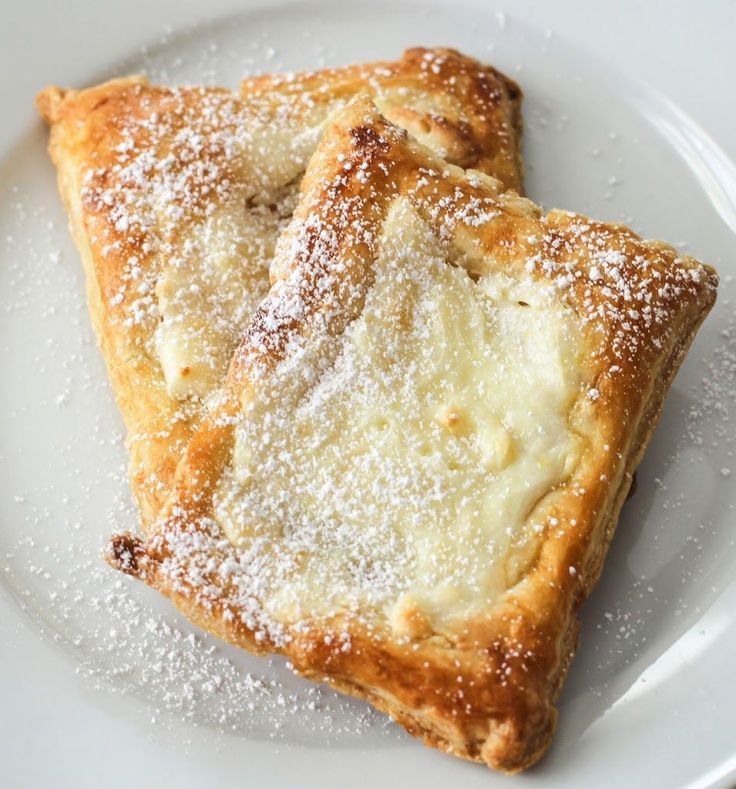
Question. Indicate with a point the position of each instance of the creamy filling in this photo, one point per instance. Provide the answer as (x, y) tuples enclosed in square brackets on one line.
[(210, 286), (400, 468), (207, 295)]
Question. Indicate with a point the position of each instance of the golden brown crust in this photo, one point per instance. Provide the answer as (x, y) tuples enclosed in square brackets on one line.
[(85, 129), (486, 690), (468, 110)]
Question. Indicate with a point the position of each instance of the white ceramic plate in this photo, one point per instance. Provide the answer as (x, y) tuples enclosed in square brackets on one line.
[(100, 680)]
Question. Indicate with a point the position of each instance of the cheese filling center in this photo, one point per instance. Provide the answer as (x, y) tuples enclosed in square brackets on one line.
[(401, 467), (212, 282)]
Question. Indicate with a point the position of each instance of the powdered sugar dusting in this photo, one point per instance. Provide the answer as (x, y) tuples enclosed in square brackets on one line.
[(446, 463), (51, 355), (629, 297)]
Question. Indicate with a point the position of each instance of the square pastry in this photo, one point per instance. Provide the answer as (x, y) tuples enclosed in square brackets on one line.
[(410, 479)]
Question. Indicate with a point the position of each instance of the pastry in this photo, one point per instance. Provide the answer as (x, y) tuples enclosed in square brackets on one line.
[(176, 197), (410, 479)]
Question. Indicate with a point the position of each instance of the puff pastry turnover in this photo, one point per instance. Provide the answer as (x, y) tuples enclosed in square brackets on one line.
[(176, 197), (410, 480)]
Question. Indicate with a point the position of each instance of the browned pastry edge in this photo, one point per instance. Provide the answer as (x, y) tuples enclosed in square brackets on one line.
[(486, 138), (83, 125)]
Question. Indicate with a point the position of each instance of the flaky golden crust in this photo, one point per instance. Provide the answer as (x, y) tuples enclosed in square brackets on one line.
[(83, 135), (468, 111), (484, 690)]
